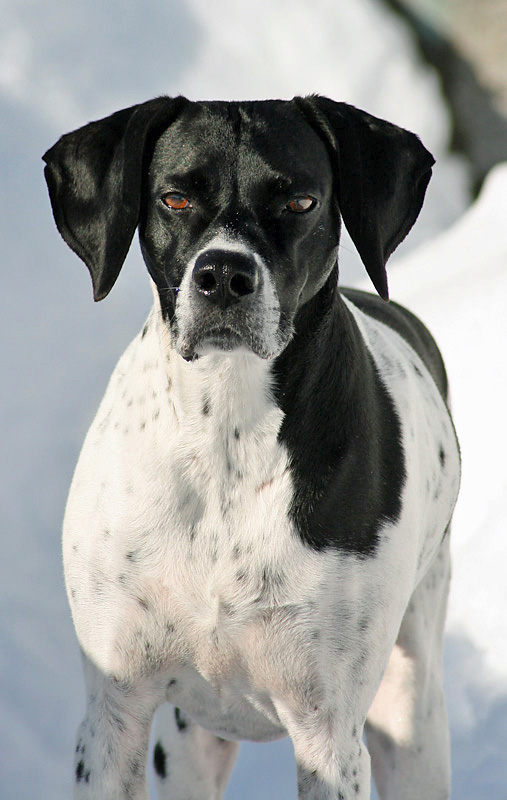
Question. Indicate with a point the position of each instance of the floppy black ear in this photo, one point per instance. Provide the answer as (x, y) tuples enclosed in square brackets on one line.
[(94, 179), (381, 174)]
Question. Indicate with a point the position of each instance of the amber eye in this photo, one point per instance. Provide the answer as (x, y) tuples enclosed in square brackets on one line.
[(176, 201), (300, 205)]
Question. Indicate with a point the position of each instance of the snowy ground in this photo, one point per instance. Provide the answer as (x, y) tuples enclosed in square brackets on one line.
[(64, 63)]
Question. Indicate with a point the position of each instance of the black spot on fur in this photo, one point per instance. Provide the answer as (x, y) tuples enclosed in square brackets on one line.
[(206, 407), (236, 433), (160, 761), (143, 603), (145, 331), (181, 722), (441, 456), (82, 774)]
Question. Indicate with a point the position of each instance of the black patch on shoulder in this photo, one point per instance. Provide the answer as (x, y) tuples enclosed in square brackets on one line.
[(160, 760), (341, 431)]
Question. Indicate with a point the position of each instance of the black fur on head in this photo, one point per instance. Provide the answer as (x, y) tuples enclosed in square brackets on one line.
[(95, 177), (381, 175)]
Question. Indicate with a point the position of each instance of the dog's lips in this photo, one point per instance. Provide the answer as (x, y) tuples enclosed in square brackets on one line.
[(222, 338)]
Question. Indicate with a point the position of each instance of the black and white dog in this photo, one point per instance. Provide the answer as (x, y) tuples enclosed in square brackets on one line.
[(257, 530)]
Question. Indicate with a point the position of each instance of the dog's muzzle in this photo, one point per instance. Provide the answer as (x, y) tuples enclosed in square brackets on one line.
[(225, 278), (227, 301)]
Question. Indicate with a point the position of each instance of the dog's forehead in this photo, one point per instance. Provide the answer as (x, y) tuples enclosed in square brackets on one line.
[(260, 137)]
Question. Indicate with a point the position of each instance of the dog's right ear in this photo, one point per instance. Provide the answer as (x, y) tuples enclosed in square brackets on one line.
[(94, 177)]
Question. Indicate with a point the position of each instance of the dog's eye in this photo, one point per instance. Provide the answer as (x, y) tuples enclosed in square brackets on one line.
[(300, 205), (176, 201)]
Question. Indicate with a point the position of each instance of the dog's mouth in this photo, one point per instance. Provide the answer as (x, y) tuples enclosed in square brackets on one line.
[(223, 338), (201, 340)]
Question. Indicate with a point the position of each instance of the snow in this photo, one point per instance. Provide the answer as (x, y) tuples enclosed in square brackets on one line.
[(62, 64)]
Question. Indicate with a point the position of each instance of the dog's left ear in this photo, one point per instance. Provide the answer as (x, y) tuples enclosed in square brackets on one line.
[(94, 177), (381, 175)]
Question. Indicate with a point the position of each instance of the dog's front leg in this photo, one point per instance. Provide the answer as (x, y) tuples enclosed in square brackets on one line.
[(332, 761), (112, 742), (189, 761)]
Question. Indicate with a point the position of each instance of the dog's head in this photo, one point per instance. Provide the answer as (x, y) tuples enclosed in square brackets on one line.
[(238, 207)]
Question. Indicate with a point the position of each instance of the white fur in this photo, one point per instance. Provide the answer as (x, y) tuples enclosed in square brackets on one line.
[(188, 583)]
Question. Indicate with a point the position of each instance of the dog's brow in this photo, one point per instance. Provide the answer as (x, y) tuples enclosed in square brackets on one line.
[(290, 183), (189, 180)]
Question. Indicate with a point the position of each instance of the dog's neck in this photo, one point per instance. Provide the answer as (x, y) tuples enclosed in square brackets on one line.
[(235, 388)]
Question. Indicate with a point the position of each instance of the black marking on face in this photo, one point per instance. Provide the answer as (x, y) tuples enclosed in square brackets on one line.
[(160, 760)]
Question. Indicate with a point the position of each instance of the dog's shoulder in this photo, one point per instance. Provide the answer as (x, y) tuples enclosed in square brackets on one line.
[(408, 326)]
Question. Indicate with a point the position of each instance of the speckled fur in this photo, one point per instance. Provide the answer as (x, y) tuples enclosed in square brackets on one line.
[(188, 585)]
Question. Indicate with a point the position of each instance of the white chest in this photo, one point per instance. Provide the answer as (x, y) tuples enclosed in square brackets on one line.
[(183, 490)]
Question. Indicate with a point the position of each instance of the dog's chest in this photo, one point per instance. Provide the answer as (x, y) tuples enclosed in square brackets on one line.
[(191, 551)]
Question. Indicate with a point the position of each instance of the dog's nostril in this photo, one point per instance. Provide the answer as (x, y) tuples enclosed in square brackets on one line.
[(241, 285), (206, 281)]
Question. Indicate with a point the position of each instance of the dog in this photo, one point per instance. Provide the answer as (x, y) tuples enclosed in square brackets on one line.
[(257, 532)]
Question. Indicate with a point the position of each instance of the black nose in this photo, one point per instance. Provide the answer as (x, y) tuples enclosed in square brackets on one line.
[(225, 277)]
